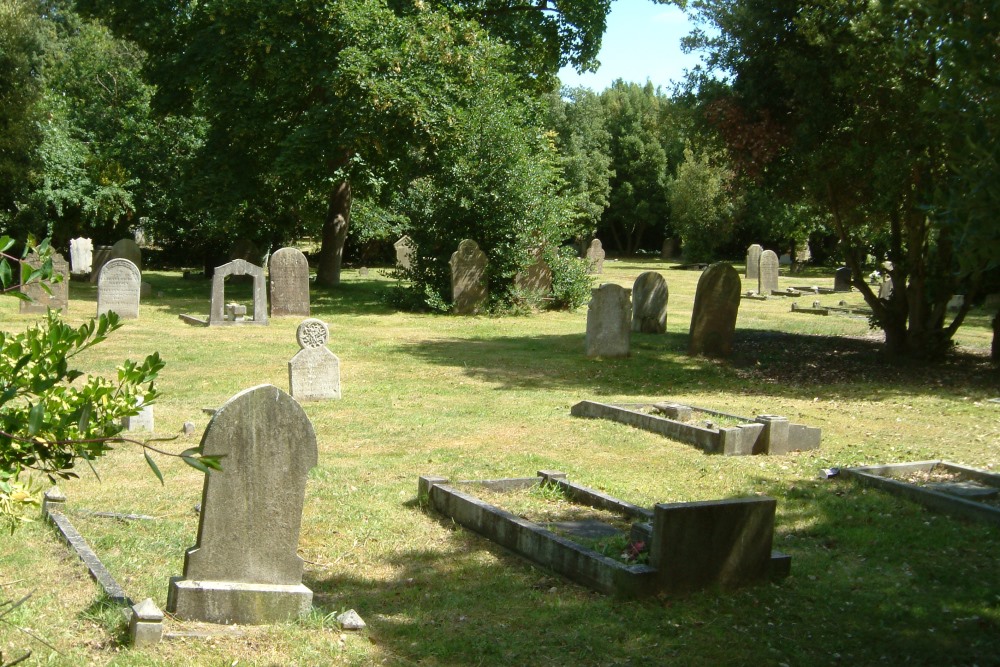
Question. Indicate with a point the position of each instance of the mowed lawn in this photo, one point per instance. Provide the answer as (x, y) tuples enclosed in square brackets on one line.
[(875, 580)]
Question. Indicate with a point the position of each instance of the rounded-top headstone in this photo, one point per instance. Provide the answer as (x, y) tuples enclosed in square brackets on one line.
[(118, 288), (312, 333), (127, 249), (649, 303), (716, 304), (289, 272)]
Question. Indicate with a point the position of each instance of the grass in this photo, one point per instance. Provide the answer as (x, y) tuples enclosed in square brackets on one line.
[(875, 579)]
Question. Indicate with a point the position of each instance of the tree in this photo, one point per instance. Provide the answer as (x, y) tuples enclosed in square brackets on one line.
[(702, 204), (843, 103)]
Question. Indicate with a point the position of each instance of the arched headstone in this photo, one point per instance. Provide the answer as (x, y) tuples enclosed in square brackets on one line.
[(289, 272), (649, 303), (608, 321), (404, 252), (595, 256), (127, 249), (716, 304), (753, 261), (238, 267), (468, 278), (118, 289), (314, 371), (767, 279)]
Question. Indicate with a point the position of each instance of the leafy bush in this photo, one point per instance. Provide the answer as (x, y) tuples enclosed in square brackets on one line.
[(571, 280)]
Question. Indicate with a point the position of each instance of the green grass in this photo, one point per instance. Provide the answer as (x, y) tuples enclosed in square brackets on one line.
[(875, 580)]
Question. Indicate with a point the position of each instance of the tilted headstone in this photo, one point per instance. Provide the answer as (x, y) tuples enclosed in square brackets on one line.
[(118, 289), (42, 299), (468, 278), (767, 278), (716, 304), (404, 252), (244, 567), (102, 254), (753, 261), (609, 317), (289, 272), (314, 371), (81, 255), (842, 280), (537, 277), (238, 267), (127, 249), (649, 303), (595, 256)]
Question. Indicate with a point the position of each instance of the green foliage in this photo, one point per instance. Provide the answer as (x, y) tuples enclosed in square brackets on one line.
[(571, 279), (25, 273), (702, 204)]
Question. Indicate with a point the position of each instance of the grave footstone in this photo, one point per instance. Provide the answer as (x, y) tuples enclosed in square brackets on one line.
[(608, 321), (244, 567), (237, 267), (314, 371), (81, 256), (289, 272), (649, 303), (404, 252), (842, 280), (118, 289), (716, 304), (595, 256), (537, 277), (56, 296), (468, 278), (767, 278), (753, 261)]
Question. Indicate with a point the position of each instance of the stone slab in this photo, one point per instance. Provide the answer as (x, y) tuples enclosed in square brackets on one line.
[(228, 602)]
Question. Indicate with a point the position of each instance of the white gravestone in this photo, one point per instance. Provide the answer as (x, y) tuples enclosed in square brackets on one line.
[(81, 255)]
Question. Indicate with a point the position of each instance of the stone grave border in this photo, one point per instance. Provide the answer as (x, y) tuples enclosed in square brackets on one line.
[(764, 434), (881, 477), (555, 552)]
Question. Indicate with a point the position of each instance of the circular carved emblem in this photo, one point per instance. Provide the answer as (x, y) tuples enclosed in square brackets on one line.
[(312, 333)]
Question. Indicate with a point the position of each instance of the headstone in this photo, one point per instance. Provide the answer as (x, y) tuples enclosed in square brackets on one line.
[(885, 289), (289, 272), (102, 254), (314, 371), (81, 256), (244, 567), (146, 291), (785, 260), (404, 252), (363, 272), (767, 278), (668, 249), (237, 267), (118, 289), (42, 299), (716, 304), (127, 249), (595, 256), (842, 280), (955, 303), (649, 303), (468, 278), (753, 261), (246, 250), (537, 277), (140, 422), (803, 254), (609, 318)]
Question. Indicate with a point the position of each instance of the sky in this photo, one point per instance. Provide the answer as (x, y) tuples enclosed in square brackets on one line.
[(642, 41)]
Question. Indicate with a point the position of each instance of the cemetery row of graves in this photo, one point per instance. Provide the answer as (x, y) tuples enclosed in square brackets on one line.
[(352, 436)]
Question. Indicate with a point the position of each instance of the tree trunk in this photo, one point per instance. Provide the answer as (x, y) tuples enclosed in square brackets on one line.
[(995, 347), (338, 219)]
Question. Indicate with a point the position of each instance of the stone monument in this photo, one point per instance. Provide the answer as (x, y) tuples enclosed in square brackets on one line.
[(404, 252), (118, 289), (244, 567), (56, 296), (101, 255), (289, 272), (753, 261), (609, 315), (842, 280), (767, 278), (468, 278), (127, 249), (314, 371), (237, 267), (649, 303), (716, 304), (81, 256), (595, 256)]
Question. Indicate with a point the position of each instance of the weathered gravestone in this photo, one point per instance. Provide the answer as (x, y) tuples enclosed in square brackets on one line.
[(102, 254), (668, 249), (314, 371), (244, 567), (753, 261), (81, 256), (842, 280), (767, 278), (237, 267), (595, 256), (537, 277), (118, 289), (885, 289), (404, 252), (468, 278), (289, 272), (608, 321), (246, 250), (716, 304), (45, 294), (649, 303), (127, 249)]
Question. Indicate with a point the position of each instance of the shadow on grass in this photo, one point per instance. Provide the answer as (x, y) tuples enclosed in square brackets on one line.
[(875, 580)]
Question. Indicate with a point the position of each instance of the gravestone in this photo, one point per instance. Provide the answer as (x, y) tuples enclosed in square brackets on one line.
[(237, 267), (81, 256), (127, 249), (102, 254), (314, 371), (885, 289), (716, 304), (842, 280), (595, 257), (404, 252), (537, 277), (289, 272), (785, 260), (767, 278), (609, 315), (753, 261), (246, 250), (468, 278), (118, 289), (668, 249), (649, 303), (57, 295), (244, 567)]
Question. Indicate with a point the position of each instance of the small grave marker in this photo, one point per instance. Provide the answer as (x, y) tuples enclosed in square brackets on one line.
[(314, 371)]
